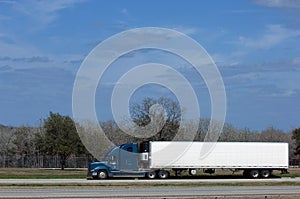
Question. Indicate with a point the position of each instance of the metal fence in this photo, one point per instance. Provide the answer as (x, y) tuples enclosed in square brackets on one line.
[(42, 162)]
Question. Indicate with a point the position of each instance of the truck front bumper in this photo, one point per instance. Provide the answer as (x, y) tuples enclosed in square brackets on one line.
[(91, 174)]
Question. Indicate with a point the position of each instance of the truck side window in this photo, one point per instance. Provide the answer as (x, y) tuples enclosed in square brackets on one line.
[(129, 149)]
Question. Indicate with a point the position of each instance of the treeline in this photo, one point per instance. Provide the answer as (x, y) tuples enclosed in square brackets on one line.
[(33, 147), (229, 134), (56, 143)]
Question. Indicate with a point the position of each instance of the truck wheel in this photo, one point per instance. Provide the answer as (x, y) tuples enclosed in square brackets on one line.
[(254, 173), (102, 174), (265, 173), (192, 172), (151, 174), (162, 174)]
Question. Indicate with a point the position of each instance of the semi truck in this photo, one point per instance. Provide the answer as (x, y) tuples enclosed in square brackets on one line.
[(156, 159)]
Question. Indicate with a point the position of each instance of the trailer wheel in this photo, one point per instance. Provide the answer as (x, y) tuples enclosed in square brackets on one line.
[(192, 172), (151, 174), (162, 174), (265, 173), (254, 173), (102, 174)]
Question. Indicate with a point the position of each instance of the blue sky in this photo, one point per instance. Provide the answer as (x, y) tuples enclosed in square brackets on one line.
[(255, 44)]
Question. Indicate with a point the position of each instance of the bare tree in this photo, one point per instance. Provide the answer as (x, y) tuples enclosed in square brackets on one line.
[(6, 135), (273, 135), (229, 133), (24, 146), (141, 116), (246, 135)]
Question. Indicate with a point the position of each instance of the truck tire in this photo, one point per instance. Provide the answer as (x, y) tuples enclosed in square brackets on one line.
[(151, 174), (192, 172), (265, 173), (254, 173), (102, 174), (163, 174)]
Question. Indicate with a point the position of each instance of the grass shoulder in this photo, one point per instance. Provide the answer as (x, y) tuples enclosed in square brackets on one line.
[(71, 173), (37, 173)]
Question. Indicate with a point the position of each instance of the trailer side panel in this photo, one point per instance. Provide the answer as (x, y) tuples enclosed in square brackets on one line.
[(239, 155)]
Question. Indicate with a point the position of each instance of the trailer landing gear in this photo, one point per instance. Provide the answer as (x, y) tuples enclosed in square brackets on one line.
[(210, 171)]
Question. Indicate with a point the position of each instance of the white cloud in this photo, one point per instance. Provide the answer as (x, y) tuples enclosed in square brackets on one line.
[(18, 48), (273, 35), (285, 93), (264, 82), (222, 59), (43, 11), (279, 3), (186, 30)]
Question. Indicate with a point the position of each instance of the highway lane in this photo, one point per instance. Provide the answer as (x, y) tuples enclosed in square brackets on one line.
[(152, 192), (130, 181), (137, 188)]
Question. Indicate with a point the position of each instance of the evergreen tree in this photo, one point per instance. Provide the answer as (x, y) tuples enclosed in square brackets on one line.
[(296, 138), (60, 138)]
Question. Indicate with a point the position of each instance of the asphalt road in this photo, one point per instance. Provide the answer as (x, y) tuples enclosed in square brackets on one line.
[(130, 188), (152, 192), (130, 181)]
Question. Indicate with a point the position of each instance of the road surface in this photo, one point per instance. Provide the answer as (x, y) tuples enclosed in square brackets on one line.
[(141, 188), (130, 181), (153, 192)]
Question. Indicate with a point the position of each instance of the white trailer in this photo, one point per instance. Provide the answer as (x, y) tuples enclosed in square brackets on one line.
[(256, 159), (157, 159)]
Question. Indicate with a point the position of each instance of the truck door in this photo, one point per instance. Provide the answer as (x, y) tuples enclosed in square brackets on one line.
[(128, 157)]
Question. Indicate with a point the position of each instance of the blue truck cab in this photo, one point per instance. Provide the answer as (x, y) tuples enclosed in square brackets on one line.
[(120, 161)]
